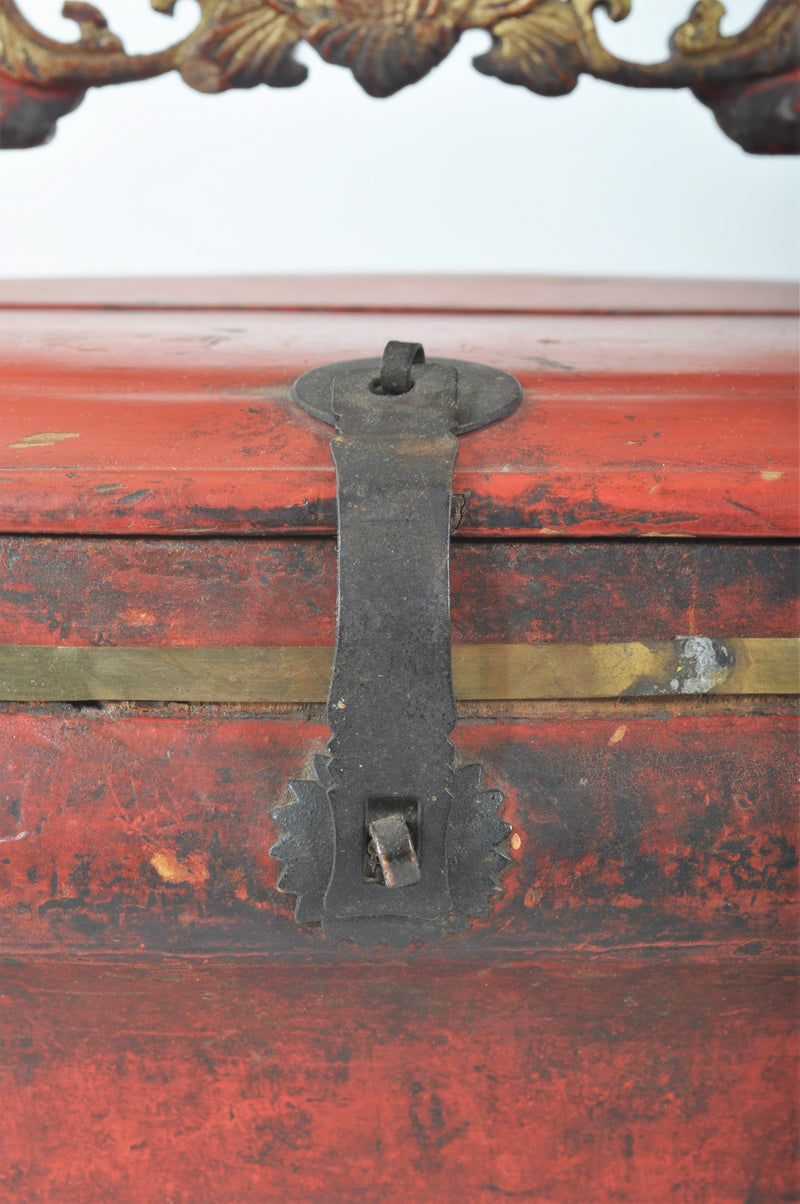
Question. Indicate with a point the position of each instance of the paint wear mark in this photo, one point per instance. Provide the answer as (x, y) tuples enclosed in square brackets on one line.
[(138, 618), (44, 439), (169, 869), (553, 365), (8, 839), (136, 496)]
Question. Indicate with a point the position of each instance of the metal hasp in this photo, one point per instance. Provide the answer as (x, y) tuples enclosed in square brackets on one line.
[(393, 842)]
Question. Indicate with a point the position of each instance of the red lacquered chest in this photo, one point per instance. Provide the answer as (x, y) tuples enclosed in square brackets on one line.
[(620, 1023)]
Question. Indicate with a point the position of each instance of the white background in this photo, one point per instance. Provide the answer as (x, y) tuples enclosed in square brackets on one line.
[(154, 178)]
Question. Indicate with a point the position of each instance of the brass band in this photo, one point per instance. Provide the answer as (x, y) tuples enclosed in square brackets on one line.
[(689, 665)]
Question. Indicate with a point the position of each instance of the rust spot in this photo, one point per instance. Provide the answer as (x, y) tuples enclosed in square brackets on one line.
[(170, 869)]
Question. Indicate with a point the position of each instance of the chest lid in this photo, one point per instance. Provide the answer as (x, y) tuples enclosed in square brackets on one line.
[(164, 408)]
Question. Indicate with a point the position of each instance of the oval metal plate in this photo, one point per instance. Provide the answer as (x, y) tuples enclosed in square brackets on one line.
[(484, 394)]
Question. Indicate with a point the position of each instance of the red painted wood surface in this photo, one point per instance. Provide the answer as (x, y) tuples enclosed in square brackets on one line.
[(636, 826), (228, 592), (182, 422), (570, 1080), (623, 1025), (484, 293)]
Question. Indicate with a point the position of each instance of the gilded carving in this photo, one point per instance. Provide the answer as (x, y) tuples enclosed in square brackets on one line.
[(748, 79)]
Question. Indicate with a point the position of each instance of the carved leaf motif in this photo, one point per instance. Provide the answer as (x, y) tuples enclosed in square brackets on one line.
[(617, 10), (541, 50), (244, 43), (387, 44), (95, 34), (759, 109), (748, 79), (24, 52), (768, 45), (485, 14), (701, 31)]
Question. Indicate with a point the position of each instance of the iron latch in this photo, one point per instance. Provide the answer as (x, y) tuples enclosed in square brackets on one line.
[(392, 840)]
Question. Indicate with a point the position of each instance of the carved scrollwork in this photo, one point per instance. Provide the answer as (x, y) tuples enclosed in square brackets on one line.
[(750, 80)]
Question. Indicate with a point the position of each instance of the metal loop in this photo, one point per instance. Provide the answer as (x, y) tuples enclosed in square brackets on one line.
[(398, 360)]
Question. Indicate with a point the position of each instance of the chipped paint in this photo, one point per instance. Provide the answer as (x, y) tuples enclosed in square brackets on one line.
[(768, 474), (169, 869), (618, 735), (44, 439), (9, 839), (516, 841)]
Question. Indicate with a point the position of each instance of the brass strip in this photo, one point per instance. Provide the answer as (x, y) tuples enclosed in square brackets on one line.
[(481, 672)]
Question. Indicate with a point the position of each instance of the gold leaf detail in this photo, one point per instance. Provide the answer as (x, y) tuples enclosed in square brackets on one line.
[(616, 9), (485, 14), (701, 32), (244, 43), (769, 45), (95, 34), (541, 50), (25, 53)]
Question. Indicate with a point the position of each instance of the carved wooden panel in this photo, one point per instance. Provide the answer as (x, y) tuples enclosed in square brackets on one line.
[(748, 79)]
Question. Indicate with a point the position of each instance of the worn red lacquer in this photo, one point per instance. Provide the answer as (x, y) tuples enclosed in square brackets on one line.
[(621, 1026), (228, 592), (652, 425), (567, 1080), (150, 831)]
